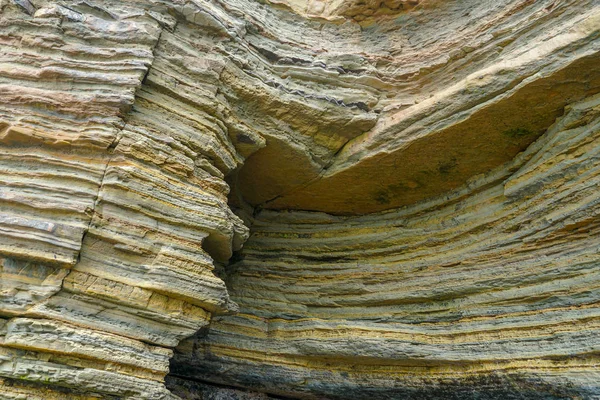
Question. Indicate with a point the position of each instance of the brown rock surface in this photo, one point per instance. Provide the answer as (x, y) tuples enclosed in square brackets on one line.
[(418, 179)]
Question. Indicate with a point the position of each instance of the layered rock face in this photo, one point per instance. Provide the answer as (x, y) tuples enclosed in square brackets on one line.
[(113, 199), (419, 181), (487, 292)]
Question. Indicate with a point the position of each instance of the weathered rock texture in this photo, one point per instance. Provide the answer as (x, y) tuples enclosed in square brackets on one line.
[(113, 199), (492, 287), (420, 179)]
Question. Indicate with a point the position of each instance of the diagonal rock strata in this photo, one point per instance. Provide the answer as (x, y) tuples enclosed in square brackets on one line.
[(418, 180), (491, 288)]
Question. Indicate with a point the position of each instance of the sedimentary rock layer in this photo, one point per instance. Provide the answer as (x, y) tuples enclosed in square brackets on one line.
[(448, 84), (486, 292), (113, 199), (131, 130)]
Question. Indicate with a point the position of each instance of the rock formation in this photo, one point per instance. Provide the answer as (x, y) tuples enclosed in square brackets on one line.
[(299, 198)]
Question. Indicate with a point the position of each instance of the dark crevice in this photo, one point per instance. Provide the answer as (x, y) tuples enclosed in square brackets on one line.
[(199, 387), (297, 92), (275, 59)]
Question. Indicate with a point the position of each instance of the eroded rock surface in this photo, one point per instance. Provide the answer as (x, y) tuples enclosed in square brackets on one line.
[(488, 291), (419, 181), (113, 199)]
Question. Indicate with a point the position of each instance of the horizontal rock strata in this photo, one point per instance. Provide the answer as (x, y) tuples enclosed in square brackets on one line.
[(113, 199), (486, 292), (419, 178)]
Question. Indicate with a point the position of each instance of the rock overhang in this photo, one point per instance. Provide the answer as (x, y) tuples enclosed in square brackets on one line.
[(470, 110), (122, 121)]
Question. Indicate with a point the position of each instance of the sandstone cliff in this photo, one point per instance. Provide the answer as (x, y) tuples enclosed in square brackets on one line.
[(299, 198)]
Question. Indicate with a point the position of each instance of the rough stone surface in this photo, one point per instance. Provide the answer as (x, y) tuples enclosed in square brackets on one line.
[(488, 291), (112, 196), (415, 182)]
